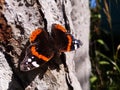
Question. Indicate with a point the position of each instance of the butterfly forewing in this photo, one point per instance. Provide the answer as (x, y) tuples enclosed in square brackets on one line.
[(63, 40), (38, 52)]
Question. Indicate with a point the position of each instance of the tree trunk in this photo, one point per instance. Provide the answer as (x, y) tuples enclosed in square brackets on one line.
[(18, 18)]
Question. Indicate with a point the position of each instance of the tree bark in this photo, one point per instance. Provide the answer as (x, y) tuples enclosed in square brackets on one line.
[(18, 18)]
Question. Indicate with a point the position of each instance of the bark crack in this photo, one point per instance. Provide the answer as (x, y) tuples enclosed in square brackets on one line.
[(42, 14), (67, 26)]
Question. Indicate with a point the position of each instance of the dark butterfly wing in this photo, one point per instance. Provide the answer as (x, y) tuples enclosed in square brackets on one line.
[(63, 40), (38, 52)]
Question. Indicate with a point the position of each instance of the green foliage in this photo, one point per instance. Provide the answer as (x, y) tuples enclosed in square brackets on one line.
[(105, 57)]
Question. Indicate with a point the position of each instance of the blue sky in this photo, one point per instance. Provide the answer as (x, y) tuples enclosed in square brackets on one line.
[(92, 3)]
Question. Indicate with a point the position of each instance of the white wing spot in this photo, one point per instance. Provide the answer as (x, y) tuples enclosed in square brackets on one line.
[(32, 57), (28, 68), (26, 62), (75, 41), (75, 46), (34, 63), (29, 60)]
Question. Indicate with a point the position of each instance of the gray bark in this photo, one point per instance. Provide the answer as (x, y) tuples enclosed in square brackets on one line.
[(23, 16)]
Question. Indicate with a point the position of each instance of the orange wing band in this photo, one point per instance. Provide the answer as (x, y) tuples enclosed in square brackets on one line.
[(60, 27), (69, 42), (35, 34), (40, 56)]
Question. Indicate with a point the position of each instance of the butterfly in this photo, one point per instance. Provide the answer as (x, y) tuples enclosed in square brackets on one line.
[(43, 46)]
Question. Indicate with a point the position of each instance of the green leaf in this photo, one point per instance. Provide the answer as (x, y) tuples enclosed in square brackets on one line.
[(100, 41), (93, 79), (104, 62), (107, 58)]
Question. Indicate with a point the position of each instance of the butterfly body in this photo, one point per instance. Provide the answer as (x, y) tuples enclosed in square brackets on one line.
[(43, 46)]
